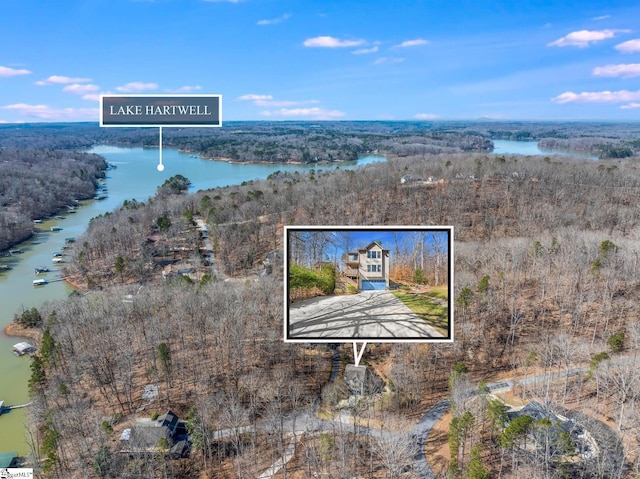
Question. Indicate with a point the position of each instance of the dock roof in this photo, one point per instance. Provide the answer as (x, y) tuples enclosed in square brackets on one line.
[(23, 347), (7, 458)]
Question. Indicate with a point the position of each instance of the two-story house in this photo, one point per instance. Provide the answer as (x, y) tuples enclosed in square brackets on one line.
[(369, 267)]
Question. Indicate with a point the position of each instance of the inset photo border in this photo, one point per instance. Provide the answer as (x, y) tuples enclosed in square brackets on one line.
[(368, 284)]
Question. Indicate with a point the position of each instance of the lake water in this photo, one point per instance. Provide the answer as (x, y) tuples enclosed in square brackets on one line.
[(508, 147), (135, 177)]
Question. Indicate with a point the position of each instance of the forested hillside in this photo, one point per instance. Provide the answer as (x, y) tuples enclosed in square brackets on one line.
[(37, 183), (545, 276)]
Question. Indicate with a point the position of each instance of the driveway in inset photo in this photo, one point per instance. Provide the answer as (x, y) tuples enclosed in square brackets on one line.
[(367, 315)]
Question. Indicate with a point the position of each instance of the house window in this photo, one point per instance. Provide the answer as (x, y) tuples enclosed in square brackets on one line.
[(379, 252), (368, 254), (379, 268), (368, 268)]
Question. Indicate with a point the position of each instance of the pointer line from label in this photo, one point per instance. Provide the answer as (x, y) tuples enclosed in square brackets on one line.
[(357, 356), (160, 165)]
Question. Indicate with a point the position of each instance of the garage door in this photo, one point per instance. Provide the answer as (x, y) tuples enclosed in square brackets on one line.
[(374, 284)]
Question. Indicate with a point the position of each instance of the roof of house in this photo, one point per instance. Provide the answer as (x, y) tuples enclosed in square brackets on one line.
[(168, 420), (180, 448), (143, 438), (368, 247), (409, 178), (7, 458), (148, 436), (535, 410), (371, 245)]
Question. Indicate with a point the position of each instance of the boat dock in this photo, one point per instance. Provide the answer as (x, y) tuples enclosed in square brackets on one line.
[(4, 408), (44, 282)]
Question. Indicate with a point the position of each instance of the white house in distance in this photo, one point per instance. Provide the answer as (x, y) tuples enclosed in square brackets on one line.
[(369, 267)]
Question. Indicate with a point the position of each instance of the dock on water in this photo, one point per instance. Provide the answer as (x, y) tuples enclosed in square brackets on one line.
[(4, 408)]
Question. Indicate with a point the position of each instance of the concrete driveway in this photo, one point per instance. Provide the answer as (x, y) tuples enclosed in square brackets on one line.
[(369, 315)]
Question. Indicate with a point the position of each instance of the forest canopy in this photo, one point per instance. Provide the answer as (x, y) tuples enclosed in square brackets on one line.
[(37, 183)]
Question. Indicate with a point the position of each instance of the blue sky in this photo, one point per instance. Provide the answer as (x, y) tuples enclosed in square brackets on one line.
[(329, 60), (405, 239)]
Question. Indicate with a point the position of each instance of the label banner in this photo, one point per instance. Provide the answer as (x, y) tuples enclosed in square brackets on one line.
[(161, 110)]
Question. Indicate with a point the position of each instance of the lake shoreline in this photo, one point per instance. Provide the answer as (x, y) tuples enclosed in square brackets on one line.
[(14, 330), (271, 163)]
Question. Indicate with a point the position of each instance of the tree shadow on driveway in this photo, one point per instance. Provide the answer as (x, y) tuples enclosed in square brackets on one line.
[(370, 315)]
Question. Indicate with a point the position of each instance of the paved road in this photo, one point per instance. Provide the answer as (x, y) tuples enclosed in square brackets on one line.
[(421, 431), (368, 315), (433, 415)]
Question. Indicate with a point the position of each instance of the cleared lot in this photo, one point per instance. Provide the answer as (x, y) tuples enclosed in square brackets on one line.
[(368, 315)]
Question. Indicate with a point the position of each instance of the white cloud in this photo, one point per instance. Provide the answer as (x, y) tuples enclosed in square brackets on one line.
[(184, 89), (11, 72), (425, 116), (630, 106), (331, 42), (412, 43), (136, 86), (315, 113), (381, 60), (267, 100), (91, 97), (283, 102), (253, 97), (44, 112), (80, 89), (598, 97), (625, 71), (364, 51), (602, 17), (61, 80), (631, 46), (584, 38), (274, 21)]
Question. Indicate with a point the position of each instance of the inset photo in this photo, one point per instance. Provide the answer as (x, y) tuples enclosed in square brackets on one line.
[(377, 284)]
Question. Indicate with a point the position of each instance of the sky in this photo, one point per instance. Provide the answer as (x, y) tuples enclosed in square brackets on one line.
[(330, 60), (403, 238)]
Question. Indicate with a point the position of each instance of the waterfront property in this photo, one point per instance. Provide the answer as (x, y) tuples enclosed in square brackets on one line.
[(369, 267)]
